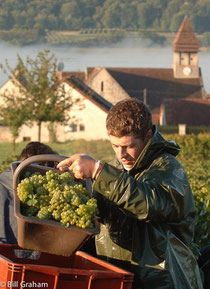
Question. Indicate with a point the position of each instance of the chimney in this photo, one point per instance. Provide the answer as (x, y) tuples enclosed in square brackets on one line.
[(59, 75)]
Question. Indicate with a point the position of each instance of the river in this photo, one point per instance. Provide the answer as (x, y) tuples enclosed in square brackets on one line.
[(121, 55)]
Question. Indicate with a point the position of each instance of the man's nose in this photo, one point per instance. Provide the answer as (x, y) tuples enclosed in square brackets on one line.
[(122, 152)]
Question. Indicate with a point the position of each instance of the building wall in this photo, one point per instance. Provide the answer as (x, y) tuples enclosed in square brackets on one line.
[(5, 135), (89, 122), (26, 132), (91, 117), (8, 86), (106, 86)]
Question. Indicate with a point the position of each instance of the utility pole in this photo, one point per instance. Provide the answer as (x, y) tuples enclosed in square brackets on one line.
[(145, 96)]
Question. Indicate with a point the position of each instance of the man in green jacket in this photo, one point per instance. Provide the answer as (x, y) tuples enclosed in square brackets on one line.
[(145, 202)]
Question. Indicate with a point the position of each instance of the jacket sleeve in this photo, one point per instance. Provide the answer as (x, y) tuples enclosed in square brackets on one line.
[(161, 193)]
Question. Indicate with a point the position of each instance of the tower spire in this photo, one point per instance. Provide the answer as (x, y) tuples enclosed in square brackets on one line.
[(185, 40), (186, 47)]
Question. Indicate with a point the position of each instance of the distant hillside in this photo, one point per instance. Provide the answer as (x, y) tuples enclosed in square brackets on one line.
[(37, 18)]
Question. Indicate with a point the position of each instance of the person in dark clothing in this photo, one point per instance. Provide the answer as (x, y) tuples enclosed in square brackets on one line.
[(204, 264), (8, 223), (146, 206)]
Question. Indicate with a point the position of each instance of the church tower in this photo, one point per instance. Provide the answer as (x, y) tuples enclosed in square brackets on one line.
[(186, 47)]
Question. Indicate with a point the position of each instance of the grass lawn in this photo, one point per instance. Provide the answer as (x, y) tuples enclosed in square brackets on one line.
[(98, 149)]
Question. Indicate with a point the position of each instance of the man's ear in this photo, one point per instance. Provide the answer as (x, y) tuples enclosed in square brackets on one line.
[(148, 136)]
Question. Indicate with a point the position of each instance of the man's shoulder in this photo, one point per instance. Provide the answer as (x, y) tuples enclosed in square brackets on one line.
[(6, 179), (5, 175), (166, 160)]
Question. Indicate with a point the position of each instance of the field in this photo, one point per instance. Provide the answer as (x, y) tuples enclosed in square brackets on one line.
[(99, 149), (194, 155)]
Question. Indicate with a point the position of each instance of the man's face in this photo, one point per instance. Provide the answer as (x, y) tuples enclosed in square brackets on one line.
[(127, 149)]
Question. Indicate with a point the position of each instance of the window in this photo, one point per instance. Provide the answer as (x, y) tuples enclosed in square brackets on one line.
[(73, 127), (102, 86), (181, 58), (81, 127), (26, 138), (190, 58)]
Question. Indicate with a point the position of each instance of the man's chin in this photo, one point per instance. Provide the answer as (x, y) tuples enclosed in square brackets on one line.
[(127, 166)]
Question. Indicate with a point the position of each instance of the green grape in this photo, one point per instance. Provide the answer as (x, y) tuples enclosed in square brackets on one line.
[(44, 213), (57, 197), (24, 189), (28, 210)]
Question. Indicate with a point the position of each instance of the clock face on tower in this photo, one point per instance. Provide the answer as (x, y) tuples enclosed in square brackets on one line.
[(187, 70)]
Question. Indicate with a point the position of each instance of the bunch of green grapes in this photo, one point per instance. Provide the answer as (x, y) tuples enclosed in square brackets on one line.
[(57, 197)]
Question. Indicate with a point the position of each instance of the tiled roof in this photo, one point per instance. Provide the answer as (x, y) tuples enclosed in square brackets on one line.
[(185, 39), (89, 72), (158, 82), (89, 93), (78, 74), (92, 73), (194, 112)]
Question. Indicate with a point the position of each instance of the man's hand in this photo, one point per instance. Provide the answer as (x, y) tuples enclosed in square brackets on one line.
[(81, 165)]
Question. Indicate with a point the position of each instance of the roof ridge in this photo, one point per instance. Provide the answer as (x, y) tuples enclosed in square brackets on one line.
[(90, 93)]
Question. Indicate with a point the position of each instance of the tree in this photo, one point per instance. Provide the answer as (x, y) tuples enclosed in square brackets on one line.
[(147, 13), (111, 16), (206, 39), (6, 20), (200, 19), (128, 16), (13, 113), (176, 21), (39, 86)]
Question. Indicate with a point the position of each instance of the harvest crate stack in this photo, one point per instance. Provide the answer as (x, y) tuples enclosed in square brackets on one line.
[(43, 270)]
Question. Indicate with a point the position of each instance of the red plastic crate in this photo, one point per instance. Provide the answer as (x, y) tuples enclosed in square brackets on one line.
[(79, 271)]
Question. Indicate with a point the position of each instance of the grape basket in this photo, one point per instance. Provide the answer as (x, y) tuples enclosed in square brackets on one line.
[(46, 235)]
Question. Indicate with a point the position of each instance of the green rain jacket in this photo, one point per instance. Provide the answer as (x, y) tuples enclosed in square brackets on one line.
[(147, 218)]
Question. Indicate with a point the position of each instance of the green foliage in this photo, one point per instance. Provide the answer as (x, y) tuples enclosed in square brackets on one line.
[(176, 21), (193, 147), (189, 130), (86, 36), (75, 15), (206, 39), (198, 174), (6, 163), (13, 113), (6, 153), (22, 36), (195, 157)]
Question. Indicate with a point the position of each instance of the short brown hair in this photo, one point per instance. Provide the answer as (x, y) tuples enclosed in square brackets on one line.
[(37, 148), (129, 116)]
